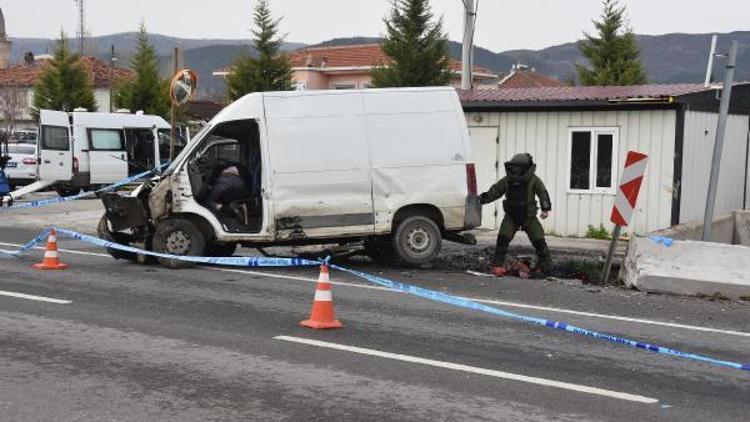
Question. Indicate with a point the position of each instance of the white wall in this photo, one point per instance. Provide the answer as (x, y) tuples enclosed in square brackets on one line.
[(700, 136), (545, 136)]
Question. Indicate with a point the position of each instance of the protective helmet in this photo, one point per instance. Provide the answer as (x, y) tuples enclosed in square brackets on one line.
[(519, 164)]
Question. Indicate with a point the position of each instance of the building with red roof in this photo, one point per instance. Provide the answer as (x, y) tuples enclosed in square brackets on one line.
[(350, 67), (24, 75)]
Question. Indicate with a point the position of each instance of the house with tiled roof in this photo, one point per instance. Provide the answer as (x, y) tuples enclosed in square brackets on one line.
[(580, 136), (350, 67), (23, 76), (522, 76)]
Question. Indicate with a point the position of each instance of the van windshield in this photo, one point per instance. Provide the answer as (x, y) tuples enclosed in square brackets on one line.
[(196, 138)]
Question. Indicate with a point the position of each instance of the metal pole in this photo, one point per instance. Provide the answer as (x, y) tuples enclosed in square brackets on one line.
[(726, 96), (111, 78), (611, 254), (711, 57), (173, 138), (466, 76)]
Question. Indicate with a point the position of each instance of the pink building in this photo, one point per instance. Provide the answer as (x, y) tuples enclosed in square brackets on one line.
[(350, 67)]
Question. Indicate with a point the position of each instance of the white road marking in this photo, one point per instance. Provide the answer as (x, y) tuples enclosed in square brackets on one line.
[(36, 298), (474, 370), (487, 301)]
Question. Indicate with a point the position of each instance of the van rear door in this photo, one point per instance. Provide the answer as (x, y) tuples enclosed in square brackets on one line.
[(108, 160), (55, 149)]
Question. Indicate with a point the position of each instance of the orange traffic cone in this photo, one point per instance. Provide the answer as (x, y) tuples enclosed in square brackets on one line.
[(51, 258), (322, 316)]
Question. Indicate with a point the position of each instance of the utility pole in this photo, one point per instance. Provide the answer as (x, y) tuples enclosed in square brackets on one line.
[(112, 64), (711, 57), (173, 139), (470, 19), (726, 96), (81, 26)]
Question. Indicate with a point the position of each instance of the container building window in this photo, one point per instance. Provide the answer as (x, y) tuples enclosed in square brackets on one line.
[(592, 160)]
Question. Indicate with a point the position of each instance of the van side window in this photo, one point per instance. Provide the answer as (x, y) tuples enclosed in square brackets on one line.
[(106, 140), (55, 138)]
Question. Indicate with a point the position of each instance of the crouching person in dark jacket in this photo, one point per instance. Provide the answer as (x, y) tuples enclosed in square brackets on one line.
[(228, 187), (521, 186)]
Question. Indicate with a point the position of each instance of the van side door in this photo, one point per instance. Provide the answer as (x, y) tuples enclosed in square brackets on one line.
[(107, 155), (319, 164), (55, 146)]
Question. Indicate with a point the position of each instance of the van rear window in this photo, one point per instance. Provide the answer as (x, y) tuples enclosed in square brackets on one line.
[(55, 138)]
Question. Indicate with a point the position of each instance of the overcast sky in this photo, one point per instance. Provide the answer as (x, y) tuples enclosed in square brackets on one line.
[(503, 24)]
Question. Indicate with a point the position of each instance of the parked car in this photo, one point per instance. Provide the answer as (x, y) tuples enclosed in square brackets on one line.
[(390, 167), (21, 169)]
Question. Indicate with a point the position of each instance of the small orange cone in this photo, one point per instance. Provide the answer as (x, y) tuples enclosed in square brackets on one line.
[(51, 258), (322, 316)]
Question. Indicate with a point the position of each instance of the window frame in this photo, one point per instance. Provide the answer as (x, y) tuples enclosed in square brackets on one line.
[(43, 138), (593, 159), (89, 132)]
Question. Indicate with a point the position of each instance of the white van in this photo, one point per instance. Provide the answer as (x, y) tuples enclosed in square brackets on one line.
[(392, 167), (82, 150)]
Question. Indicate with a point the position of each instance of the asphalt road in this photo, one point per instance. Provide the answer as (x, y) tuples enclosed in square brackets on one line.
[(135, 343)]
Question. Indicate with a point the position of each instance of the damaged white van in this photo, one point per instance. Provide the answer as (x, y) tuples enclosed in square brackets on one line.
[(390, 167)]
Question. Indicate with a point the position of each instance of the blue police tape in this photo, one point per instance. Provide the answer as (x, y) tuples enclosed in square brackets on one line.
[(469, 304), (393, 285), (60, 199), (666, 241), (224, 261), (28, 246)]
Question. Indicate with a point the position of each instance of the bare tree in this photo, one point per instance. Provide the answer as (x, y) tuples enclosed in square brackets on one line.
[(13, 102)]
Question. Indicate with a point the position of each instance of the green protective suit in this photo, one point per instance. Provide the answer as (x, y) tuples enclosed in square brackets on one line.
[(521, 186)]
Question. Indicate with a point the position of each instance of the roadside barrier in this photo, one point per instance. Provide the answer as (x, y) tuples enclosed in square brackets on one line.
[(82, 195), (396, 286)]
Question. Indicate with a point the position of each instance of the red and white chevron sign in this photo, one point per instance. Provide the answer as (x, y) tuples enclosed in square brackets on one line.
[(630, 185)]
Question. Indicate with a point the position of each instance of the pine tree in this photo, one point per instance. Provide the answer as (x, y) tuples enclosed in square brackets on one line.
[(417, 46), (271, 70), (147, 91), (64, 84), (614, 53)]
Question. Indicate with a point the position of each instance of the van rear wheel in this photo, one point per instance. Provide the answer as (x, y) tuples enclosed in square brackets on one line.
[(179, 236), (417, 240)]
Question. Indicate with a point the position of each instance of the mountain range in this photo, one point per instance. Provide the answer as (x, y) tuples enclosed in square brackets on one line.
[(668, 58)]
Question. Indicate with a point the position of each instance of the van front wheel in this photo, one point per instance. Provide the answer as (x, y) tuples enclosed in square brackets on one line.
[(179, 236), (417, 240)]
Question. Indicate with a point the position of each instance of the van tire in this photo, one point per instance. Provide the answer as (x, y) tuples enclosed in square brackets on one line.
[(104, 233), (220, 250), (417, 240), (179, 236)]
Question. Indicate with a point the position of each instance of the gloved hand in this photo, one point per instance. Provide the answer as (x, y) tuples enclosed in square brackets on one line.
[(484, 198)]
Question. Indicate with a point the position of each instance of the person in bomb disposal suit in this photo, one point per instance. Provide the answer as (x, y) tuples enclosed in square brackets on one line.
[(521, 186)]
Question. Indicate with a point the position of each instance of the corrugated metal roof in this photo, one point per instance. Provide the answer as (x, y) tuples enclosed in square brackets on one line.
[(579, 93)]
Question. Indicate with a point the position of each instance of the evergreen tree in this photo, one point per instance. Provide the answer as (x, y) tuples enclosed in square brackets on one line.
[(614, 53), (417, 47), (147, 91), (271, 70), (64, 84)]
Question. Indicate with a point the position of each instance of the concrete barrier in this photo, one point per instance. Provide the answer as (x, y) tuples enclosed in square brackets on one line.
[(688, 268)]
